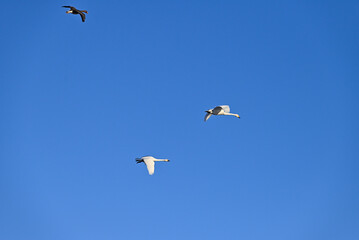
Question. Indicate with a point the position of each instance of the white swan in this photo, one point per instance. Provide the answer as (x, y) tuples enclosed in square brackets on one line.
[(219, 110), (150, 162)]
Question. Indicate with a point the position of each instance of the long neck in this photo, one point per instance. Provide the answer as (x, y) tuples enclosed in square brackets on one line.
[(232, 114), (160, 160)]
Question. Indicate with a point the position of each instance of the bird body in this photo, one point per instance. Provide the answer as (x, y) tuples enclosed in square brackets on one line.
[(219, 110), (150, 162), (73, 10)]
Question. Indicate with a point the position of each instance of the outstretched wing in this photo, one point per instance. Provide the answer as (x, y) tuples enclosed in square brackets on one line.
[(225, 108), (150, 166), (68, 7), (208, 115), (82, 16)]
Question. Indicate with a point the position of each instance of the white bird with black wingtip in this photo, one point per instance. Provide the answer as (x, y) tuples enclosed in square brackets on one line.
[(150, 162), (219, 110)]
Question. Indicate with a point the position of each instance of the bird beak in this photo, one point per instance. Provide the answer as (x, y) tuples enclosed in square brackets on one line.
[(168, 160)]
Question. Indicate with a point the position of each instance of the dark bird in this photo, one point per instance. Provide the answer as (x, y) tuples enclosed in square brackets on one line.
[(73, 10)]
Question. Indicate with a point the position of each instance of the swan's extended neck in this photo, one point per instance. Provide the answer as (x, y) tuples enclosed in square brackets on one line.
[(231, 114), (161, 160)]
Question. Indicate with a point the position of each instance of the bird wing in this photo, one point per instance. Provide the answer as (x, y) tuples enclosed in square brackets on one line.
[(225, 108), (82, 16), (208, 115), (69, 7), (150, 165), (217, 110)]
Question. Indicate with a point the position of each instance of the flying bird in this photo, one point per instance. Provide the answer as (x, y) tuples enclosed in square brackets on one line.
[(73, 10), (150, 162), (219, 110)]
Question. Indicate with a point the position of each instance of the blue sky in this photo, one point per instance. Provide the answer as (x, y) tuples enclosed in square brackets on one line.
[(80, 101)]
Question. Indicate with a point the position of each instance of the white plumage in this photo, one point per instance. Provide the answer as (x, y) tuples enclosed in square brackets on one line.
[(219, 110), (150, 163)]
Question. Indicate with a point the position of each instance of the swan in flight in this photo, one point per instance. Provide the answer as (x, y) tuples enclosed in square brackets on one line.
[(150, 162), (219, 110)]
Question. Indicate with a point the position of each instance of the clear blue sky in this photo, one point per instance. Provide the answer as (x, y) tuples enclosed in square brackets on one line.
[(80, 101)]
